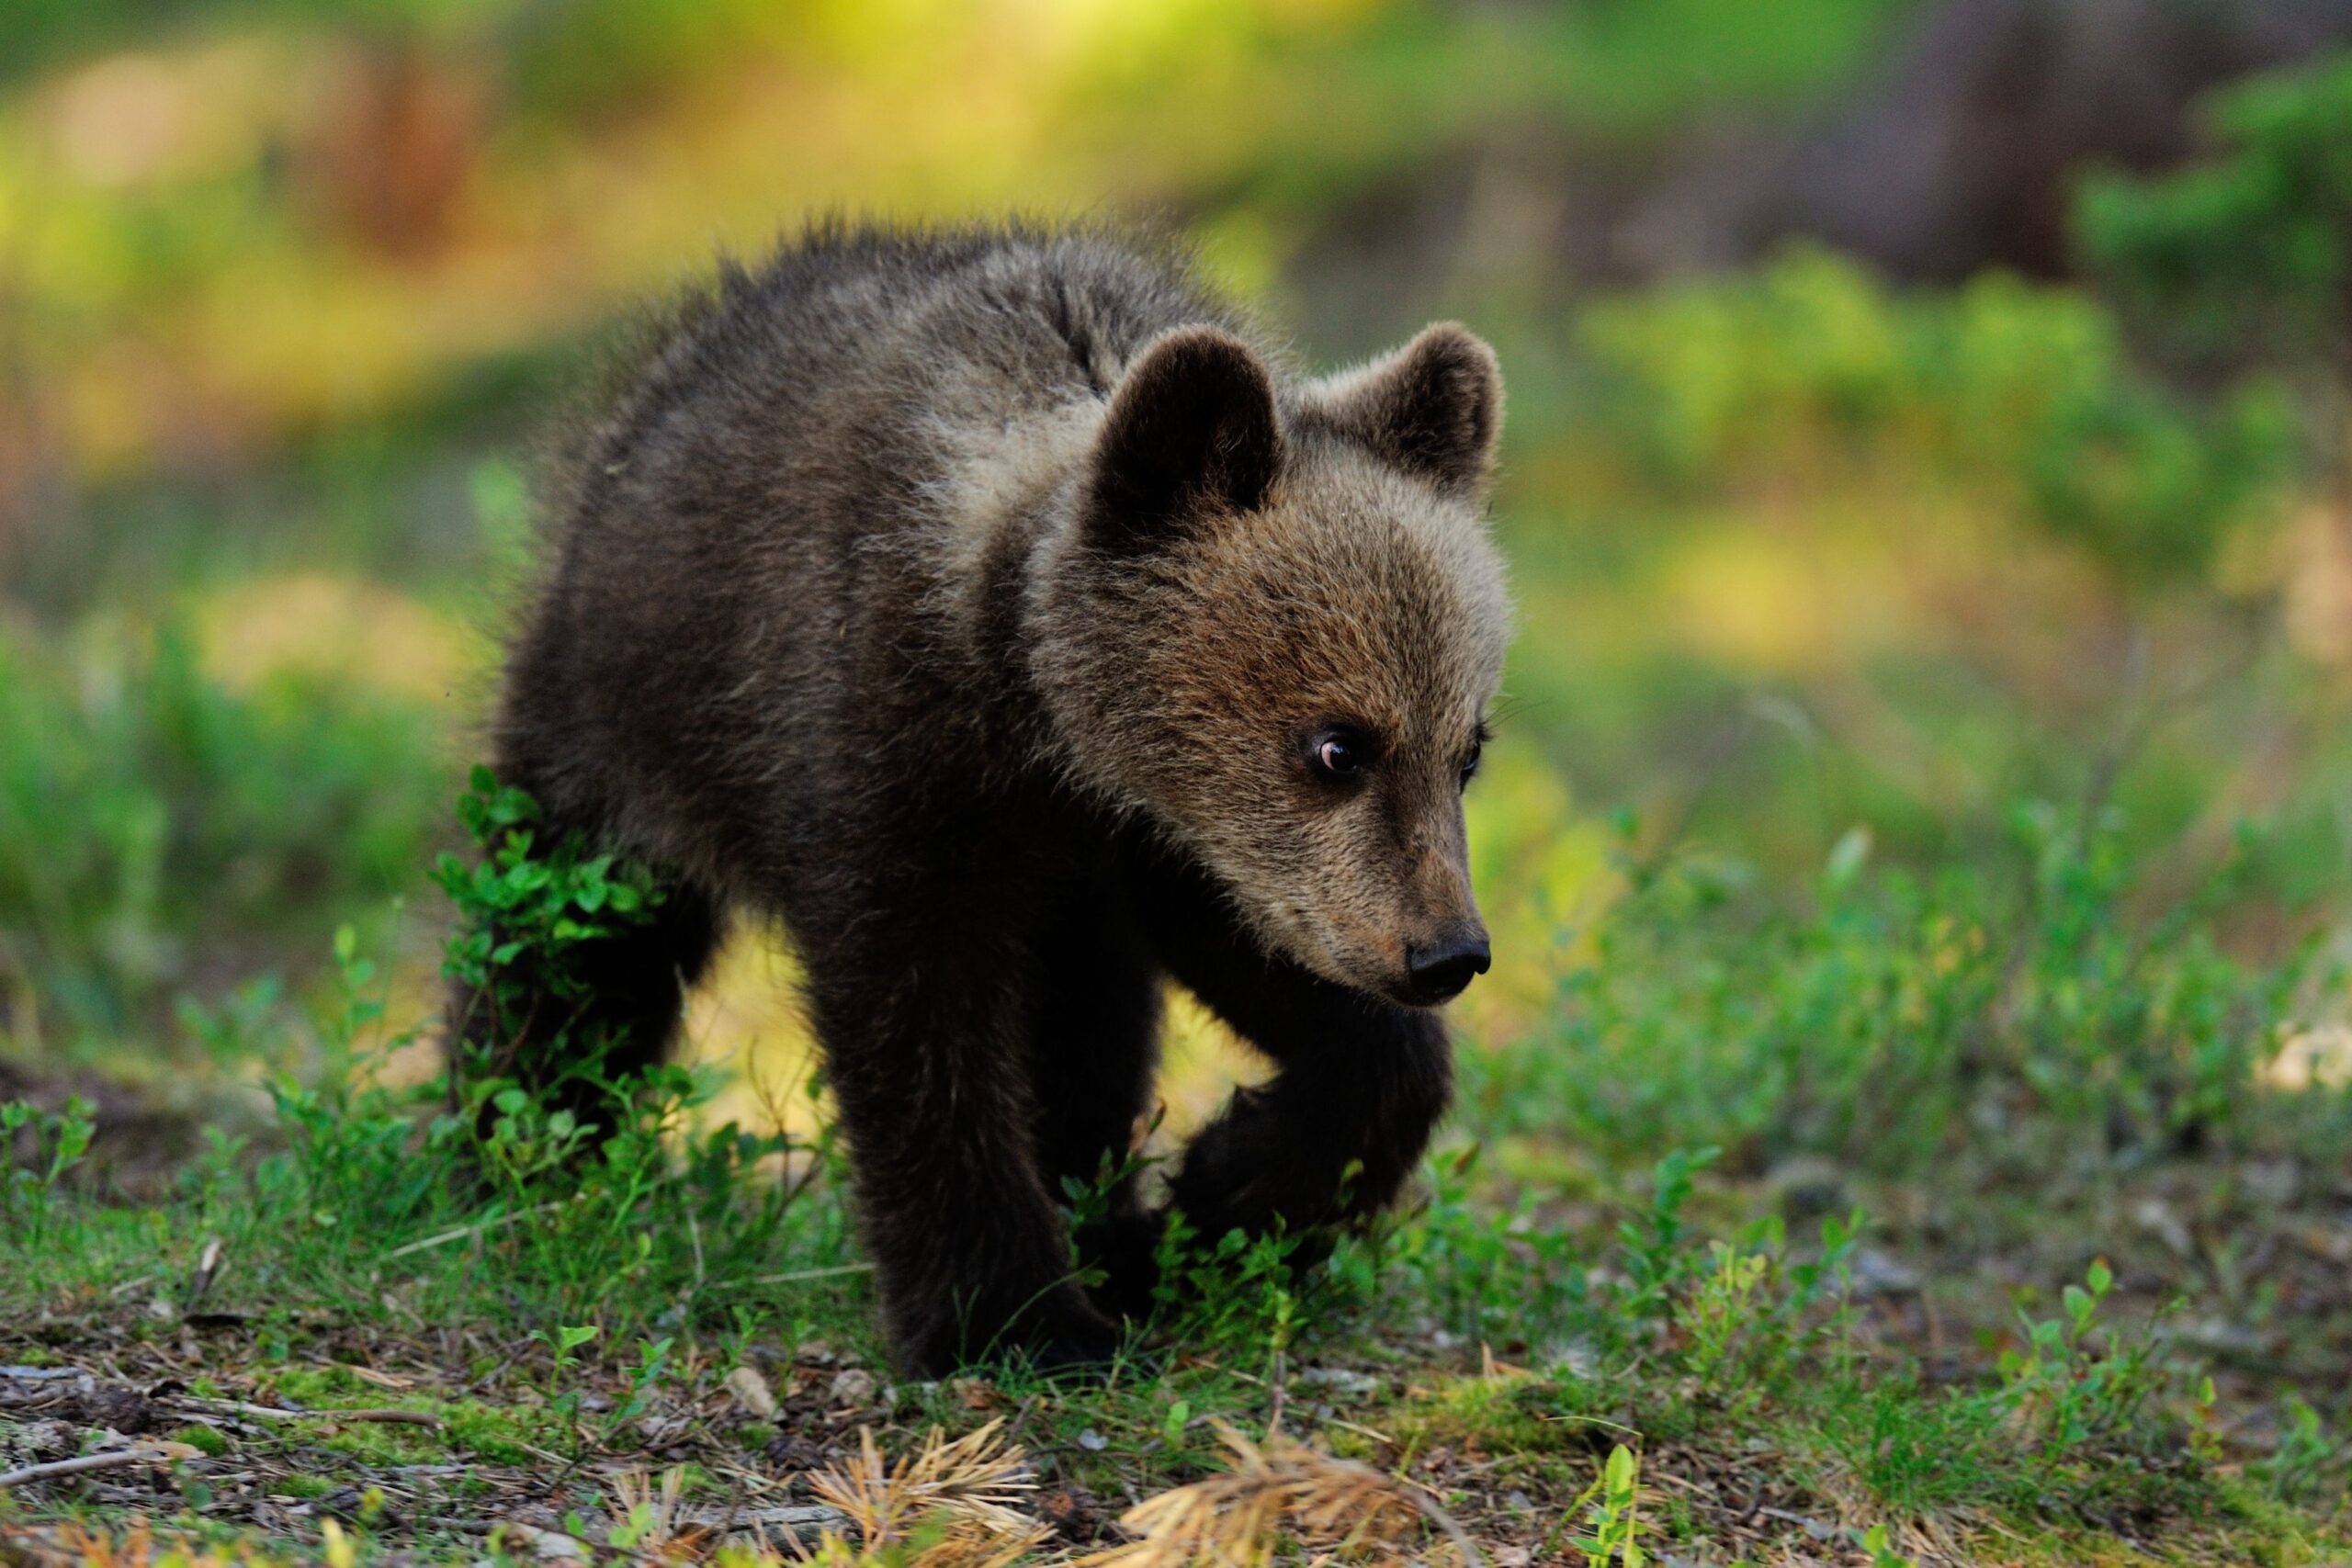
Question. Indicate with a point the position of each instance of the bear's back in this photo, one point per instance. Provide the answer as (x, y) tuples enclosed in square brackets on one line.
[(859, 360), (762, 536)]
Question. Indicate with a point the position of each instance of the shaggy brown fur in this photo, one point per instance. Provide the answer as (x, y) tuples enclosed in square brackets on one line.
[(995, 608)]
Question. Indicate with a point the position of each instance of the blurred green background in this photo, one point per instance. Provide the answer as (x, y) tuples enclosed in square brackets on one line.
[(1896, 499)]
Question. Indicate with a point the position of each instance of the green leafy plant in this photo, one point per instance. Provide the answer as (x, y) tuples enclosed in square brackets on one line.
[(2066, 1391), (367, 1178), (1612, 1506), (1876, 1540), (1654, 1255), (2017, 394), (1239, 1294), (1872, 1022), (357, 1164), (2245, 252), (561, 1359), (2308, 1464), (37, 1149), (1490, 1272), (527, 909), (652, 1363), (153, 821), (1745, 1313)]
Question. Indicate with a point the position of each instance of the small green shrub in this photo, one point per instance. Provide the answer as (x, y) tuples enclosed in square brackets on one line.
[(522, 1215), (2018, 393), (1612, 1506), (1895, 1014), (37, 1149), (2244, 255), (2095, 1413), (152, 822), (2063, 1393), (1747, 1316), (1485, 1270), (1731, 1323), (1240, 1294), (527, 911), (2309, 1467)]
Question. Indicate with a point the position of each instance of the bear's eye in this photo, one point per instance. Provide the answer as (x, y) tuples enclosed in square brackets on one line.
[(1338, 754)]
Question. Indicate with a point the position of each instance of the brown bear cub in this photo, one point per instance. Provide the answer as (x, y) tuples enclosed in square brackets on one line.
[(996, 609)]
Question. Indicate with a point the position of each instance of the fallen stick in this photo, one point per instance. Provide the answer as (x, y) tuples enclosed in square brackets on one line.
[(112, 1459), (1374, 1433), (463, 1231), (1424, 1499), (271, 1412), (405, 1418), (388, 1416), (798, 1275), (208, 1268)]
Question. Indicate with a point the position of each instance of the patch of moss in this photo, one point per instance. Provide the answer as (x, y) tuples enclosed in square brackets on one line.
[(321, 1385), (376, 1442), (204, 1440), (502, 1435), (1488, 1413)]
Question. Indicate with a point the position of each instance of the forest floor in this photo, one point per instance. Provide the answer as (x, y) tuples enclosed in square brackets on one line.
[(227, 1373)]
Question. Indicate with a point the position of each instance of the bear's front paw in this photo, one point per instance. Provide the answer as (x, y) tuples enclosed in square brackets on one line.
[(1122, 1251), (1057, 1330), (1075, 1343)]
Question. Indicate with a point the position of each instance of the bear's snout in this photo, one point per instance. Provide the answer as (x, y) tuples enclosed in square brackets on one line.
[(1439, 972)]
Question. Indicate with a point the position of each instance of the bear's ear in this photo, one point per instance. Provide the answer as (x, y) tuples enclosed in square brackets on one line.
[(1191, 432), (1432, 408)]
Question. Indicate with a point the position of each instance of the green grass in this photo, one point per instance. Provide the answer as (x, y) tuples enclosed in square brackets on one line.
[(1896, 1009), (567, 1319), (158, 827)]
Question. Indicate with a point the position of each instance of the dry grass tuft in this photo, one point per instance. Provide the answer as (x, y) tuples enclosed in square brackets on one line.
[(73, 1545), (1283, 1489), (646, 1521), (956, 1505)]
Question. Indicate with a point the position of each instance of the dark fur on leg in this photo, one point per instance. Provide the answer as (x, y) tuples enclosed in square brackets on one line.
[(1093, 1051), (1359, 1085), (927, 1009)]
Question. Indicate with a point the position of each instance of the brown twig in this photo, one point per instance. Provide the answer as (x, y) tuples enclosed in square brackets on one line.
[(270, 1413), (464, 1231), (1426, 1500), (113, 1459), (1360, 1430), (799, 1275), (208, 1268)]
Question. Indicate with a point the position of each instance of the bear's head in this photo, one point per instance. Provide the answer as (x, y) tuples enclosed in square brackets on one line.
[(1274, 627)]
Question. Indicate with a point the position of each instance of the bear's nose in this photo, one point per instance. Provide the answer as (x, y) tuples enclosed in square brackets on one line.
[(1438, 973)]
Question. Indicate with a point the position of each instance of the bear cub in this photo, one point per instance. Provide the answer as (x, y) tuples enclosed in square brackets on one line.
[(1001, 611)]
